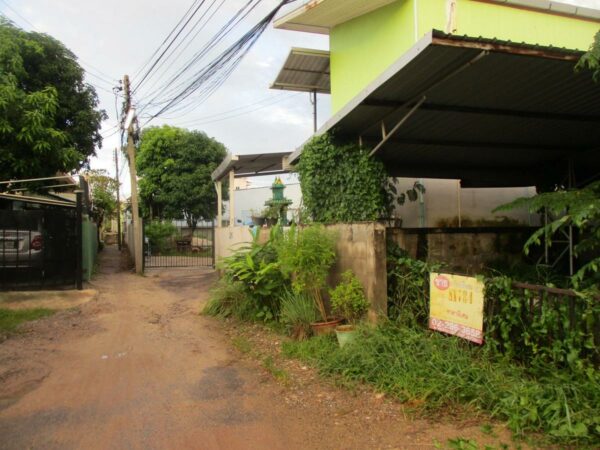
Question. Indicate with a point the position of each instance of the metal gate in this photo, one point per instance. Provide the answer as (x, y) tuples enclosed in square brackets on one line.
[(39, 248), (174, 244)]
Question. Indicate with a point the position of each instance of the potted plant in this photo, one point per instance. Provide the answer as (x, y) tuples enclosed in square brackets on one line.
[(348, 300)]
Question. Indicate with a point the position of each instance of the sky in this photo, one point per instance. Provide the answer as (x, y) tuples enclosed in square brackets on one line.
[(116, 37), (113, 38)]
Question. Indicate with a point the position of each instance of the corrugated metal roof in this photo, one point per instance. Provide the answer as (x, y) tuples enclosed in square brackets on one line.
[(320, 16), (496, 113), (252, 165), (37, 200), (305, 70)]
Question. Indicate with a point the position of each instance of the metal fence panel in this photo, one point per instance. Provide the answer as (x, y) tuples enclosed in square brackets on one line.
[(38, 248), (181, 247)]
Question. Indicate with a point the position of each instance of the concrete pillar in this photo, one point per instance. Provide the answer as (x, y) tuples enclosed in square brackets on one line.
[(231, 198), (219, 188)]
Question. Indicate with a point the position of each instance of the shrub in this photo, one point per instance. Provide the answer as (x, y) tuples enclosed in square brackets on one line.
[(230, 299), (298, 311), (348, 298), (306, 255), (158, 233)]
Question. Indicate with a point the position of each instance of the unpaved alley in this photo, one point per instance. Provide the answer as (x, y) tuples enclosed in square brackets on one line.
[(139, 368)]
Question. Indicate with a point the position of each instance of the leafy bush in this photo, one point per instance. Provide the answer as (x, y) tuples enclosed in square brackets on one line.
[(298, 311), (230, 299), (435, 372), (408, 287), (306, 255), (341, 183), (348, 298), (158, 234)]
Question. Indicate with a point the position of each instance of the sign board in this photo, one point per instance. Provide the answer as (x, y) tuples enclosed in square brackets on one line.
[(456, 306)]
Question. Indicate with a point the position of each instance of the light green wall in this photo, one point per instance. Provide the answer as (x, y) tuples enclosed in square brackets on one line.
[(361, 49), (89, 247)]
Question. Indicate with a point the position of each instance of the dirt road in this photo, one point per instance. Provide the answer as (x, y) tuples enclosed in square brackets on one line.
[(138, 368)]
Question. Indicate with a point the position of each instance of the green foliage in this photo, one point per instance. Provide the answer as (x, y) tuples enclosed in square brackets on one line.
[(48, 117), (341, 183), (591, 59), (10, 319), (577, 208), (348, 298), (103, 189), (305, 255), (175, 166), (158, 234), (519, 324), (298, 311), (230, 299), (408, 287), (536, 329), (434, 373)]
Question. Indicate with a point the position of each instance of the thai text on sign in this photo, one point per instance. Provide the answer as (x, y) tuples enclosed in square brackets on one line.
[(456, 306)]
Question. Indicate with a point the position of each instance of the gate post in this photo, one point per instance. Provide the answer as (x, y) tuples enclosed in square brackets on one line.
[(79, 246), (214, 262)]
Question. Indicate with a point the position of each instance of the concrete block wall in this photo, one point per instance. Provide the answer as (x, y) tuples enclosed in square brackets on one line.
[(361, 247)]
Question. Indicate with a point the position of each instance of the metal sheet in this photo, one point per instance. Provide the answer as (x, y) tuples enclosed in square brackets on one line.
[(513, 118), (305, 70)]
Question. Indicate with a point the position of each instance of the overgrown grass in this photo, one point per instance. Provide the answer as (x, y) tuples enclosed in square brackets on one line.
[(11, 319), (438, 373)]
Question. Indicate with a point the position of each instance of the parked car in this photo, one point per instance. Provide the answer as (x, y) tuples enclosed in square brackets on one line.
[(21, 248)]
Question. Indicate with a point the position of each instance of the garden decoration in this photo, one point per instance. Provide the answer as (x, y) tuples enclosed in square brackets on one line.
[(279, 204)]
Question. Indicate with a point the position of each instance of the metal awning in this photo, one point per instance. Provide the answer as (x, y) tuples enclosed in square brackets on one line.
[(37, 200), (305, 70), (320, 16), (488, 112), (252, 165)]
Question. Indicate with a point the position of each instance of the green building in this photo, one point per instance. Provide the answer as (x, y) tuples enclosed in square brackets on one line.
[(481, 91)]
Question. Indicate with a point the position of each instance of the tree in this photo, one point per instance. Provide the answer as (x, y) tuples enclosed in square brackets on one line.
[(49, 121), (175, 166), (591, 59), (103, 190)]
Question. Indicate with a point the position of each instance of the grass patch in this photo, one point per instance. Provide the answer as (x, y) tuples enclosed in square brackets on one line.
[(278, 373), (437, 373), (242, 344), (10, 319)]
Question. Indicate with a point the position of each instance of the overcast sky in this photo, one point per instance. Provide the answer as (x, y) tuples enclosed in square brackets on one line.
[(113, 38), (116, 37)]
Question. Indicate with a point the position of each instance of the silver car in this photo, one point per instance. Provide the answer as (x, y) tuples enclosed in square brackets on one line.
[(21, 248)]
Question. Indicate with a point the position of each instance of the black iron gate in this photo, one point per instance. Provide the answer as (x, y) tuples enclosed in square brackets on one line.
[(38, 248), (170, 245)]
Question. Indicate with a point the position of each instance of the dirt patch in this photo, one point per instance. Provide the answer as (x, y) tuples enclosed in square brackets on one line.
[(46, 299)]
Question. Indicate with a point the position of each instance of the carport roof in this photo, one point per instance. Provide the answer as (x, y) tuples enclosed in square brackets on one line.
[(252, 165), (488, 112)]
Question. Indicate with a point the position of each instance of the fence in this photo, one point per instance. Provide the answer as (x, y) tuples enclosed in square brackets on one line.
[(40, 248), (559, 322), (169, 245)]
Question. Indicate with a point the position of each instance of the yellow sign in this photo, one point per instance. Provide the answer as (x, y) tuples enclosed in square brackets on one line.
[(456, 306)]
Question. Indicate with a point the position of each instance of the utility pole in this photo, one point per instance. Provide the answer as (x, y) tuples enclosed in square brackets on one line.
[(118, 199), (137, 229)]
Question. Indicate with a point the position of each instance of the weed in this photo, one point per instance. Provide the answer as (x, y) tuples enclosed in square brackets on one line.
[(278, 373), (438, 372), (11, 319), (462, 444), (298, 311), (242, 344)]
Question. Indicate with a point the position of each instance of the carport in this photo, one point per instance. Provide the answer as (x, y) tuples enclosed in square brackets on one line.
[(490, 113)]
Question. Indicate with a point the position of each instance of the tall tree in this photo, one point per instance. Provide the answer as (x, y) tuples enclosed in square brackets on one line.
[(103, 190), (49, 121), (175, 166)]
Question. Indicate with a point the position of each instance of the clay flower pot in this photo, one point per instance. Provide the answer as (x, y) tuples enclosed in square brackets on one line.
[(323, 328)]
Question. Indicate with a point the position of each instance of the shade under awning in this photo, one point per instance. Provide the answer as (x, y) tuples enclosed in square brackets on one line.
[(488, 112), (305, 70)]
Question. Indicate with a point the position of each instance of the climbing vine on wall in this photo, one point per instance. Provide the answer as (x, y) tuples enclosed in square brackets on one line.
[(341, 183)]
